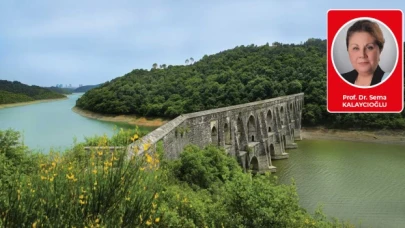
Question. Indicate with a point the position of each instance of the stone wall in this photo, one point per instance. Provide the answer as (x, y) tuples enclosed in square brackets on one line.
[(255, 133)]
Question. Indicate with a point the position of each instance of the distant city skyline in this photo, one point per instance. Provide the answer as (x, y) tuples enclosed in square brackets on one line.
[(62, 42)]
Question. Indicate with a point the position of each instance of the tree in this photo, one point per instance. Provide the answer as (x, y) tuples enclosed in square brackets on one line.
[(191, 60), (294, 87), (155, 65), (187, 61)]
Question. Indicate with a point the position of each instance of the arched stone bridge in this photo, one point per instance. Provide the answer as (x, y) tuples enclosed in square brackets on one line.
[(255, 132)]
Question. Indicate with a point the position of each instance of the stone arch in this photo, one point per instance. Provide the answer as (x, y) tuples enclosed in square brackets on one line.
[(269, 120), (214, 135), (254, 164), (239, 125), (227, 132), (272, 150), (282, 115), (291, 106), (251, 129)]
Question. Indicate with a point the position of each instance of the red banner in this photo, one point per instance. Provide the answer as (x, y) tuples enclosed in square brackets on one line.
[(365, 61)]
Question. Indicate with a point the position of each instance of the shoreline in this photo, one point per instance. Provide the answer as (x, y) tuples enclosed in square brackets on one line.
[(373, 136), (30, 102), (129, 119)]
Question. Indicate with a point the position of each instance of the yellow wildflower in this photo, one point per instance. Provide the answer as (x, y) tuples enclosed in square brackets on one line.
[(82, 202), (148, 158), (100, 153), (106, 163), (154, 205), (42, 165), (135, 137), (51, 179), (34, 225), (70, 177), (53, 164), (43, 178), (156, 195), (94, 171), (146, 146), (157, 220), (81, 196), (148, 222), (70, 168)]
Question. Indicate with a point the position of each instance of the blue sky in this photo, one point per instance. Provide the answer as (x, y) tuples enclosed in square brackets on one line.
[(89, 42)]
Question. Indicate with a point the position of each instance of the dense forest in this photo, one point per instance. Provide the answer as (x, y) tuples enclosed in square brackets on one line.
[(83, 89), (14, 92), (239, 75)]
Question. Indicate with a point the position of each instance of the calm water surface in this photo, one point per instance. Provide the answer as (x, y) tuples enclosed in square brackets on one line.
[(54, 124), (360, 182)]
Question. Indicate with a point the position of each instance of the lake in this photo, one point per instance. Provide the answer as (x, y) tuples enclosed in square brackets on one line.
[(54, 125), (356, 181)]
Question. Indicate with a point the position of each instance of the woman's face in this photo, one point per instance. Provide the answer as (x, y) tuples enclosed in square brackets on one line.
[(364, 53)]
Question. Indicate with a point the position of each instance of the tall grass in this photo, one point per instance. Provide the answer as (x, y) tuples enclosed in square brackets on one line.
[(79, 188)]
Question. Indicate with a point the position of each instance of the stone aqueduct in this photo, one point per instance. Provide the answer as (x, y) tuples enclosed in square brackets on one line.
[(255, 133)]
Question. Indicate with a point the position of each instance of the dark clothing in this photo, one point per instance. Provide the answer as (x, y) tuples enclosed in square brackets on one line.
[(352, 76)]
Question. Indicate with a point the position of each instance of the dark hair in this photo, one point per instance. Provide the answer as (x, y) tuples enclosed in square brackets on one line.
[(367, 26)]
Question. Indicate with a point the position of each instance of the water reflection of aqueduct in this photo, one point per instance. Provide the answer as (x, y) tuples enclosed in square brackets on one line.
[(254, 132)]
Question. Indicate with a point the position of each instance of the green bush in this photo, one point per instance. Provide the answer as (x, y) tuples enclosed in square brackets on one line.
[(203, 168)]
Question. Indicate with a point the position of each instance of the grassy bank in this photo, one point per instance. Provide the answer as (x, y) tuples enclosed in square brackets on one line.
[(29, 103), (129, 119)]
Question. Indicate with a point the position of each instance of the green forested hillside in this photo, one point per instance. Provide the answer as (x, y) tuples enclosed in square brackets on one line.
[(14, 92), (239, 75)]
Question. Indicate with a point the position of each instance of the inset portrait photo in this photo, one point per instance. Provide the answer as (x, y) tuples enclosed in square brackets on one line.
[(364, 52)]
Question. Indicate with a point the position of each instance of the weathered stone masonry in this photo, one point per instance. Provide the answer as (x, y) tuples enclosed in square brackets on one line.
[(255, 133)]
